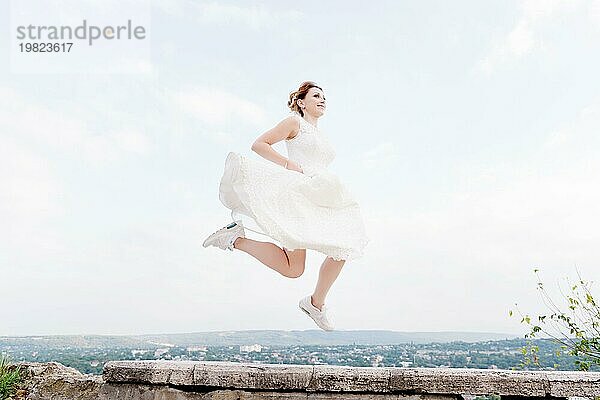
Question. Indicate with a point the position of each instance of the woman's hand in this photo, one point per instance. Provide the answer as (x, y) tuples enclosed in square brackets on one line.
[(294, 166)]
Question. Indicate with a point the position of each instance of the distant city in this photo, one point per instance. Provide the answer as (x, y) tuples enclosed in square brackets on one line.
[(88, 353)]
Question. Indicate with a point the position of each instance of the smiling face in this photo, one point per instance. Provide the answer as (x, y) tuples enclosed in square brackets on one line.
[(313, 103)]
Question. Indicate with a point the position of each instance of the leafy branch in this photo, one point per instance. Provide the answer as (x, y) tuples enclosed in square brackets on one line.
[(577, 329)]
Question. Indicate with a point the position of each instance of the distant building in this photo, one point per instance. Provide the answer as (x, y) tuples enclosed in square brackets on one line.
[(162, 344), (197, 348), (160, 352), (252, 347), (376, 360)]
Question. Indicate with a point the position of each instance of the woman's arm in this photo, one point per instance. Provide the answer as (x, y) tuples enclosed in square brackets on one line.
[(283, 130)]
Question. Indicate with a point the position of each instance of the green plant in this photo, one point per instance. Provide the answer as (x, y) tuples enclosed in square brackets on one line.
[(9, 377), (577, 329)]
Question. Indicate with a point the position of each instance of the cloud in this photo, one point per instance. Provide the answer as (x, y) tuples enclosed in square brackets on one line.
[(483, 239), (547, 202), (576, 138), (111, 146), (171, 7), (30, 200), (215, 106), (594, 12), (525, 37), (125, 64), (254, 16), (381, 156), (544, 207), (63, 131)]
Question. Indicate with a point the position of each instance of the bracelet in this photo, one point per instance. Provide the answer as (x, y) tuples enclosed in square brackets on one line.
[(286, 162)]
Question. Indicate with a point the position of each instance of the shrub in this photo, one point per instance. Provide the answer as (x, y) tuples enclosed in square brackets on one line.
[(9, 378)]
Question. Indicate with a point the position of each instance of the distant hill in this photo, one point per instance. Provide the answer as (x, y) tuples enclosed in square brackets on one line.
[(263, 337)]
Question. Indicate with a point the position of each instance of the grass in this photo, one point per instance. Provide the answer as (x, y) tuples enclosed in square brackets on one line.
[(10, 377)]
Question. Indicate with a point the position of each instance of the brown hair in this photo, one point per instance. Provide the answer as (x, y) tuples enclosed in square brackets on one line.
[(300, 94)]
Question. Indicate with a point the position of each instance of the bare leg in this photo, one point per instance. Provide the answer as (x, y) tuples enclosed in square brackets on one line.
[(330, 269), (289, 263)]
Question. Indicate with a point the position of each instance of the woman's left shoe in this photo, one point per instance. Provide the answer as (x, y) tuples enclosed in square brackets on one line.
[(321, 318), (226, 236)]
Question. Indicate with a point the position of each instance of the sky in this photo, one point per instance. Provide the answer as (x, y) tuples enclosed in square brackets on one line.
[(468, 131)]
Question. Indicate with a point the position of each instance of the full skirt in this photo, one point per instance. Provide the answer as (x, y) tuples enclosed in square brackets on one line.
[(297, 210)]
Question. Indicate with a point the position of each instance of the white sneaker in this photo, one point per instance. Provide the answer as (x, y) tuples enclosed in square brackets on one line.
[(320, 317), (224, 237)]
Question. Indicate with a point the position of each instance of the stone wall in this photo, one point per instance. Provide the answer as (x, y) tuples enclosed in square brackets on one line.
[(183, 380)]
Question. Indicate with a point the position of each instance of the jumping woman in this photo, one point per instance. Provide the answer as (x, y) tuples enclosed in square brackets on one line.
[(295, 200)]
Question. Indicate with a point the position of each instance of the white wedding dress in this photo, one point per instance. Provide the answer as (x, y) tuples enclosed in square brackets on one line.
[(310, 210)]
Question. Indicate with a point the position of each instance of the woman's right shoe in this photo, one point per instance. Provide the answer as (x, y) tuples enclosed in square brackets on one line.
[(226, 236), (320, 317)]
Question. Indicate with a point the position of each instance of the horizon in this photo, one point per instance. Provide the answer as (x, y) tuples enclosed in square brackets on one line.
[(508, 335)]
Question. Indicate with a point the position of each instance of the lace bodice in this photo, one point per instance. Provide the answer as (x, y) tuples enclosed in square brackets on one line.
[(310, 147)]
